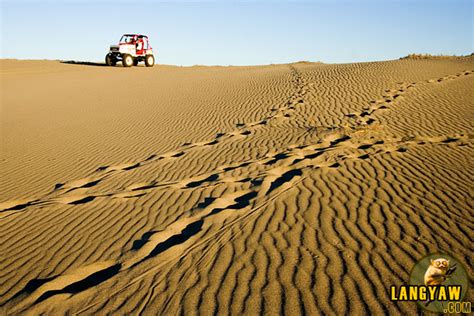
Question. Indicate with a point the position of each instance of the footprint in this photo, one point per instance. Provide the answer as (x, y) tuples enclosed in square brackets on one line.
[(32, 286), (122, 167), (151, 157), (339, 140), (82, 183), (71, 283), (450, 140), (214, 142), (366, 146), (137, 244), (240, 202), (75, 200), (193, 184), (174, 154), (15, 205), (126, 195), (284, 178), (312, 156), (207, 201), (276, 158), (78, 282), (189, 231)]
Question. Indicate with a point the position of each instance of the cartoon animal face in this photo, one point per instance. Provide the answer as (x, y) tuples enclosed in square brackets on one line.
[(440, 263)]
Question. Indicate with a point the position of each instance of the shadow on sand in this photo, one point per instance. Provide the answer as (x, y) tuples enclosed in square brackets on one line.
[(87, 63)]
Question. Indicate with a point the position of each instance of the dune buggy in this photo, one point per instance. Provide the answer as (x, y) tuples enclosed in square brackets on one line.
[(132, 49)]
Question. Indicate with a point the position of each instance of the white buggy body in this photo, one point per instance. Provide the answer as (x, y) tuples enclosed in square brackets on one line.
[(132, 49)]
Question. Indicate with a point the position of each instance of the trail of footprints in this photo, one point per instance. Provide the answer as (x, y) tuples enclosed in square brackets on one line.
[(365, 117), (362, 119), (150, 245), (243, 130), (451, 77), (280, 171), (103, 172), (285, 169)]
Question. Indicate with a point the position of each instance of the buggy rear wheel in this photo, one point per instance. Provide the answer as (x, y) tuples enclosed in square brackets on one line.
[(149, 60), (127, 60)]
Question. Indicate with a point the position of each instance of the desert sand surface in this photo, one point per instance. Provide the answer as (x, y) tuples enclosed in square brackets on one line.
[(280, 189)]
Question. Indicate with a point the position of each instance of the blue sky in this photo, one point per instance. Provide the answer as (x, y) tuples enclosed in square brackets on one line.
[(238, 32)]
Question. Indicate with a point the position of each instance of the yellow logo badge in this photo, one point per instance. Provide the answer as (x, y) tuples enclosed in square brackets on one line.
[(438, 283)]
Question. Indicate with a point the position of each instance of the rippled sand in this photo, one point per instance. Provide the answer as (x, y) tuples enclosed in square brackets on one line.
[(296, 188)]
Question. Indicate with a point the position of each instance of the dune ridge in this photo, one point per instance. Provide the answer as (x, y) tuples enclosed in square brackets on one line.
[(300, 188)]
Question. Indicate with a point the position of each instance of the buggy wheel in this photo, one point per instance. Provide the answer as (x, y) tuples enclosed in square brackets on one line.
[(149, 60), (110, 60), (127, 60)]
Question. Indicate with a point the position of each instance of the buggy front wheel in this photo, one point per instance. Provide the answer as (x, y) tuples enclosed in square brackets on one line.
[(110, 61), (127, 60)]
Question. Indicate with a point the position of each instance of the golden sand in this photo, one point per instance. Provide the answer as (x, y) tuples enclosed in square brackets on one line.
[(294, 188)]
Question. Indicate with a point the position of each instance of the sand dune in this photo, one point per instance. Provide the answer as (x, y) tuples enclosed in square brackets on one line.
[(300, 188)]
